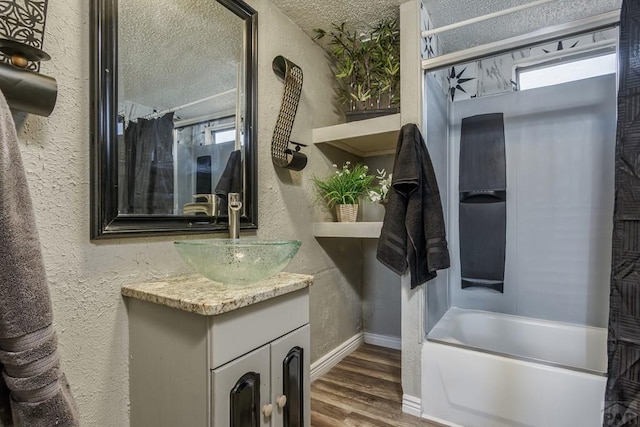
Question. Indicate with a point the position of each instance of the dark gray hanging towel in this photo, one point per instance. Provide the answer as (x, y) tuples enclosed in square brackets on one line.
[(482, 213), (413, 234), (622, 398), (40, 395)]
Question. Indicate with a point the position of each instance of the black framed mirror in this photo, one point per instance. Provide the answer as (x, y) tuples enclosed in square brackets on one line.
[(173, 116)]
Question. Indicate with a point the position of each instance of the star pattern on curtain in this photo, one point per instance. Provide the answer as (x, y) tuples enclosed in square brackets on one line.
[(561, 47), (456, 80)]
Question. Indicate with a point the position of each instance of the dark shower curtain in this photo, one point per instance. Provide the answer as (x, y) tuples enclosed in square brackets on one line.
[(149, 166), (622, 398)]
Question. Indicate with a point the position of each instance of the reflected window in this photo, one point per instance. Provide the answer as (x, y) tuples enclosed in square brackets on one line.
[(223, 136), (565, 70)]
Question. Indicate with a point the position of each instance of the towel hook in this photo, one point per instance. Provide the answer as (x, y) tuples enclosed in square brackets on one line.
[(281, 154)]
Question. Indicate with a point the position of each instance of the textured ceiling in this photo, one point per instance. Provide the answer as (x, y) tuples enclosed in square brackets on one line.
[(310, 14), (174, 52), (358, 14), (444, 12)]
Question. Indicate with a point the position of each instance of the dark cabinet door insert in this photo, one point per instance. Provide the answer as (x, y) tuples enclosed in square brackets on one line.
[(293, 377), (245, 401)]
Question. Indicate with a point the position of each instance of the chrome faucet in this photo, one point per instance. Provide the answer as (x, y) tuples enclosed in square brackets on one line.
[(234, 205)]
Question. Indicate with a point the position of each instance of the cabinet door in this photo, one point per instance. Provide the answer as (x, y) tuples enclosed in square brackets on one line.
[(241, 388), (290, 378)]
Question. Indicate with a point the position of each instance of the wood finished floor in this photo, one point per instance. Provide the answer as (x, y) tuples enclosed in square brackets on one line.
[(362, 390)]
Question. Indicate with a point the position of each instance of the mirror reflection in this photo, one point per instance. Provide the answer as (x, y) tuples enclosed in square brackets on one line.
[(174, 125), (177, 106)]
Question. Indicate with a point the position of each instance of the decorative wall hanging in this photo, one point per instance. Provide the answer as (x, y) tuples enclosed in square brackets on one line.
[(281, 155), (21, 38)]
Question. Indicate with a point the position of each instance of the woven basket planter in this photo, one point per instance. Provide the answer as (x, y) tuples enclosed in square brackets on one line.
[(347, 213)]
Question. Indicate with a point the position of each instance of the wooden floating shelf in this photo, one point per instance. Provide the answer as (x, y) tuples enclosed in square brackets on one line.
[(364, 230), (364, 138)]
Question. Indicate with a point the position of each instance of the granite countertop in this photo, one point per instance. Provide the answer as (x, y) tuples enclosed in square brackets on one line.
[(197, 294)]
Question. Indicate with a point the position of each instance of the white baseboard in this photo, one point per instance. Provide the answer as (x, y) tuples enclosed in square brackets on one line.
[(331, 359), (411, 405), (440, 421), (383, 341)]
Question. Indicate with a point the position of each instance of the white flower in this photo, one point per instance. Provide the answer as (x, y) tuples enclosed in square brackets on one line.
[(385, 185), (335, 166), (366, 167), (347, 163)]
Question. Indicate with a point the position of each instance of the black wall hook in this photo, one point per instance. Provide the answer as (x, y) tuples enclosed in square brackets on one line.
[(297, 160)]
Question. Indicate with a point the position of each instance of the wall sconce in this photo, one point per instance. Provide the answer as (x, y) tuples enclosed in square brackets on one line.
[(21, 39)]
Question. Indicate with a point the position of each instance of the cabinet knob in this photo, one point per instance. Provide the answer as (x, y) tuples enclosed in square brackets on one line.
[(281, 401), (267, 410)]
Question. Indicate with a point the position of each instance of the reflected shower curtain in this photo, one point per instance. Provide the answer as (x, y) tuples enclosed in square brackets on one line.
[(149, 166), (622, 399)]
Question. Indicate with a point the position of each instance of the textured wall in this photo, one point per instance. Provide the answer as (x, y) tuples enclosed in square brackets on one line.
[(380, 286), (85, 277), (380, 294), (287, 198)]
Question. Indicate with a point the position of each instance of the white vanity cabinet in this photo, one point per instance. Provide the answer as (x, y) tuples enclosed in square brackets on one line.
[(267, 387), (203, 355)]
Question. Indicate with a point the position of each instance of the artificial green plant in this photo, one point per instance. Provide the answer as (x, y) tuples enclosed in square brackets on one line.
[(345, 186), (366, 64)]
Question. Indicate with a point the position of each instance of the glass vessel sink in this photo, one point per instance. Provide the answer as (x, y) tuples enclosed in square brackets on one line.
[(237, 262)]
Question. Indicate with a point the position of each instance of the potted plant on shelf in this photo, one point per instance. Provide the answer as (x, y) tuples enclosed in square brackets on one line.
[(344, 188), (367, 68)]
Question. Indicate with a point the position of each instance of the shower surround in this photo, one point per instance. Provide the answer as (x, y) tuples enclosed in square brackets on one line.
[(503, 359)]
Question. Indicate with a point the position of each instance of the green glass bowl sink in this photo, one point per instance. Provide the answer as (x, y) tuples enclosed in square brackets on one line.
[(237, 262)]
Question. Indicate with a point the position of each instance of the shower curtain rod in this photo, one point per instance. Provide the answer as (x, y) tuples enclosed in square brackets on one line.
[(205, 118), (188, 104), (571, 29), (485, 17)]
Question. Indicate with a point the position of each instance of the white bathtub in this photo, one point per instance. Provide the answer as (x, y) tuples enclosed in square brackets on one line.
[(484, 369)]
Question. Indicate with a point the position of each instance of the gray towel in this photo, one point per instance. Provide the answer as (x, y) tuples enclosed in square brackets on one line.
[(413, 233), (231, 179), (39, 392)]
